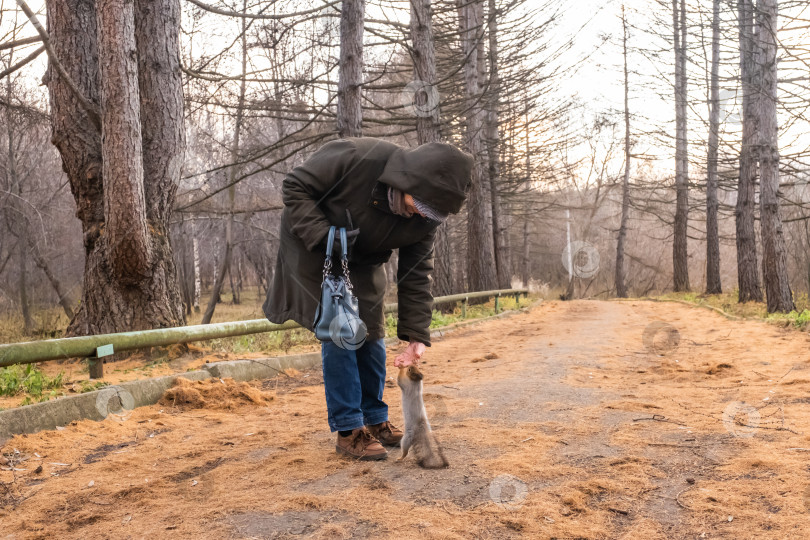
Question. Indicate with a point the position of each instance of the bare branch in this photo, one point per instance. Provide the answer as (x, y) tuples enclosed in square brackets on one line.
[(21, 63), (229, 13), (91, 109), (20, 42)]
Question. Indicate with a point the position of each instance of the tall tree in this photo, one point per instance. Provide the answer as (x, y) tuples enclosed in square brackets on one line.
[(225, 265), (778, 295), (17, 227), (680, 254), (713, 284), (423, 56), (428, 126), (747, 268), (125, 58), (350, 76), (481, 273), (621, 288), (500, 240), (22, 289), (125, 227), (526, 262)]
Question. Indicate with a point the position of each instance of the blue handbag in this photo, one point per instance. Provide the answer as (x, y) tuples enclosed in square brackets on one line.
[(338, 316)]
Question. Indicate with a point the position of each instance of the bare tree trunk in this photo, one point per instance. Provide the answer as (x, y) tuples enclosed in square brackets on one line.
[(569, 291), (19, 226), (443, 283), (125, 227), (130, 277), (680, 255), (43, 265), (774, 258), (239, 279), (621, 289), (185, 265), (234, 280), (428, 127), (747, 267), (503, 267), (157, 31), (713, 284), (525, 274), (22, 289), (195, 248), (226, 258), (526, 243), (480, 257), (350, 75), (234, 294), (423, 54)]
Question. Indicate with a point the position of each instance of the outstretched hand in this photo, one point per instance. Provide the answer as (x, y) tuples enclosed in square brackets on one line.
[(411, 355)]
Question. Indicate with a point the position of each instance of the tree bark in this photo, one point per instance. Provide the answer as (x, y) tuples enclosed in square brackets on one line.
[(350, 75), (713, 284), (778, 295), (126, 232), (480, 256), (157, 32), (747, 267), (428, 128), (130, 277), (680, 254), (503, 266), (621, 289), (423, 54)]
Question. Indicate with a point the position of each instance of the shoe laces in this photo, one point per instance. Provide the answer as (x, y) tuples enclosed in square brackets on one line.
[(386, 427), (363, 438)]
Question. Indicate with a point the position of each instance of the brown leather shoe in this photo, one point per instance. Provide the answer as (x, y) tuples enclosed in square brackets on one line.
[(360, 445), (386, 433)]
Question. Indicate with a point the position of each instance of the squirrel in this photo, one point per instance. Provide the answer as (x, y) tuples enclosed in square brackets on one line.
[(418, 435)]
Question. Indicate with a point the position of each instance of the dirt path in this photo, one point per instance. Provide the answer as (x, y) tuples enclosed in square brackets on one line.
[(558, 423)]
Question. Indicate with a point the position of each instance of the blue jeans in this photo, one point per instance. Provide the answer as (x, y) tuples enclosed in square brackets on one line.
[(354, 382)]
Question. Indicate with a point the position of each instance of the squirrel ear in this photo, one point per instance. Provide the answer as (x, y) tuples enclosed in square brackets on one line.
[(414, 373)]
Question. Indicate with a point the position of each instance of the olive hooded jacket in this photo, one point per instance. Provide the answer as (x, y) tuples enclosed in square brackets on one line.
[(354, 175)]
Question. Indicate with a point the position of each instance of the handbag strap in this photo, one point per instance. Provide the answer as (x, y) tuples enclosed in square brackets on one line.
[(344, 249), (344, 258), (330, 243), (344, 255)]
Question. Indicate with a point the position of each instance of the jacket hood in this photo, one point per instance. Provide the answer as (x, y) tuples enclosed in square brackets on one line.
[(436, 173)]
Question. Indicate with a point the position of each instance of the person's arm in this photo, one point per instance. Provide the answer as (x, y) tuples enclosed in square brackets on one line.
[(306, 185), (414, 296)]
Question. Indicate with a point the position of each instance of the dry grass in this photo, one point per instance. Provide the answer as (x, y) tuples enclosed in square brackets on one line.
[(213, 394), (727, 302)]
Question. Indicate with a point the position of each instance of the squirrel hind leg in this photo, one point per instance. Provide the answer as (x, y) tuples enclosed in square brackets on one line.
[(405, 445)]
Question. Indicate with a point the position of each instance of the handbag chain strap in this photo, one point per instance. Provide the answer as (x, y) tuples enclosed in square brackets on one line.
[(344, 258), (344, 263)]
